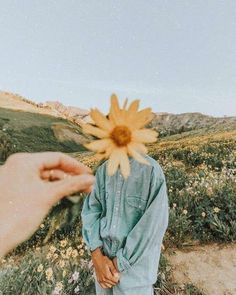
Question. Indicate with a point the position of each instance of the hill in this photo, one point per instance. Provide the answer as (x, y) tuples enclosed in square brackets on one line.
[(54, 108), (33, 132), (17, 102)]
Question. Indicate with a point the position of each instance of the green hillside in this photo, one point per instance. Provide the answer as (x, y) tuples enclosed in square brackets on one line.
[(31, 132)]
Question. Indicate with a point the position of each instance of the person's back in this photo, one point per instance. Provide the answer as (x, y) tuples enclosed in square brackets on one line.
[(128, 218)]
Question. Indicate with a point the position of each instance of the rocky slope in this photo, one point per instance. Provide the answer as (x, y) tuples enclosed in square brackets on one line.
[(168, 124)]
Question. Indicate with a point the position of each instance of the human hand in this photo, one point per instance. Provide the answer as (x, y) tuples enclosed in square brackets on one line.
[(106, 273), (27, 194), (115, 263)]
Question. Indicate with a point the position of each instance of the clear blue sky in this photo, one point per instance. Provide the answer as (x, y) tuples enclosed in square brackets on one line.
[(176, 56)]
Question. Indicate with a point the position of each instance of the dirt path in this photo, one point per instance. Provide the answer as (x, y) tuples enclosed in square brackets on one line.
[(211, 267)]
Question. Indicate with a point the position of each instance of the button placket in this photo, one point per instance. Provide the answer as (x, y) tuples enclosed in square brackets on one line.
[(116, 214)]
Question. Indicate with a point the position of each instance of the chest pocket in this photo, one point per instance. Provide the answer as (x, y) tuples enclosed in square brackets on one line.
[(136, 202)]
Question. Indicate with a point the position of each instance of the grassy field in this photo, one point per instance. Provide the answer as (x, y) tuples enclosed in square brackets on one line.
[(200, 170)]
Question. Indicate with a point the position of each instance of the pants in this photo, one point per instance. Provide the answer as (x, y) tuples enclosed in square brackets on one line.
[(118, 290)]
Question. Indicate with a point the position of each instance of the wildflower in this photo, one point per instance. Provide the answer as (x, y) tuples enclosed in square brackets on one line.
[(216, 209), (61, 263), (49, 273), (75, 276), (174, 205), (121, 134), (82, 241), (185, 211), (63, 254), (76, 290), (52, 249), (42, 225), (209, 191), (68, 252), (63, 243), (74, 253), (55, 256), (90, 265), (49, 255), (40, 268), (81, 252), (203, 214), (58, 288)]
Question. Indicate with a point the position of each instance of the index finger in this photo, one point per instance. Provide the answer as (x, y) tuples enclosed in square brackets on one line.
[(58, 160)]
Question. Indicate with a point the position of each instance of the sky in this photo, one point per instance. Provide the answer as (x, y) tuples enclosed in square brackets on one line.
[(176, 56)]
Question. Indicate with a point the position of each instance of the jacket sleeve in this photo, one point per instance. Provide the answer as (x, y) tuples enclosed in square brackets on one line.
[(91, 212), (150, 229)]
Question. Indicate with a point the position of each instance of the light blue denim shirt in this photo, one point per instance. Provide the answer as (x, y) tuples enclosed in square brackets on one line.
[(128, 219)]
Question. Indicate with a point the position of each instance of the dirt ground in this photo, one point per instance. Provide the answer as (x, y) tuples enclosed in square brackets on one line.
[(211, 268)]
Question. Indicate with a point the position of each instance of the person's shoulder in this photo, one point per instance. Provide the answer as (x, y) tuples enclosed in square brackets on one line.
[(156, 167)]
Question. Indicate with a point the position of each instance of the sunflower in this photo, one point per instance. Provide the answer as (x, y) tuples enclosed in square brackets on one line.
[(121, 134)]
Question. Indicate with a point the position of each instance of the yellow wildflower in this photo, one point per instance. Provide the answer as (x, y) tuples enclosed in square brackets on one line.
[(63, 243), (216, 209), (68, 252), (62, 263), (74, 253), (81, 252), (40, 268), (49, 273), (52, 249)]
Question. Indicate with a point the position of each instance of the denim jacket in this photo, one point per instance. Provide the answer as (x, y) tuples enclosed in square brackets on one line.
[(128, 217)]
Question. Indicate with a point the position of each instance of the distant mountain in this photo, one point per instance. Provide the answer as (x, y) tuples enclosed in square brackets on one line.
[(168, 124), (75, 114)]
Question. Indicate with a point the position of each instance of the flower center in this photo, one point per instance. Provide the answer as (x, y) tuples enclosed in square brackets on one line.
[(121, 135)]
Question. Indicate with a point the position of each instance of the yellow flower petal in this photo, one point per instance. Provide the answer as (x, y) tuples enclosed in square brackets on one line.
[(98, 145), (110, 149), (124, 163), (142, 118), (89, 129), (113, 162), (139, 147), (115, 111), (133, 108), (131, 113), (144, 135), (100, 120), (132, 152)]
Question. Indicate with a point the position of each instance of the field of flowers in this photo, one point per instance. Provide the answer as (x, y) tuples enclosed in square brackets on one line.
[(201, 180)]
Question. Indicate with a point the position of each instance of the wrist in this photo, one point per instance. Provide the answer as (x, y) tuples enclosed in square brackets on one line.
[(97, 253)]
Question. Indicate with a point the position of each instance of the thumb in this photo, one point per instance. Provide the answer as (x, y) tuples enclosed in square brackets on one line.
[(68, 186)]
